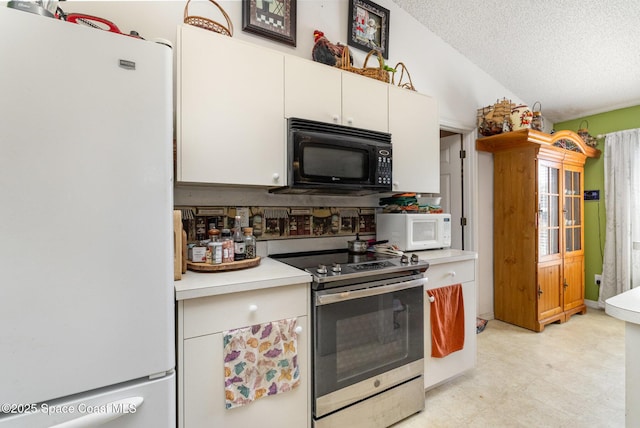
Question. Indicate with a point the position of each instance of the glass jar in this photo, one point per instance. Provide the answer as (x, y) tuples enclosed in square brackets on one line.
[(249, 243), (214, 247), (238, 240), (227, 246)]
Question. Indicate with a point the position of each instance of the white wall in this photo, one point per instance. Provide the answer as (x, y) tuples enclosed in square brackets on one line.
[(436, 69)]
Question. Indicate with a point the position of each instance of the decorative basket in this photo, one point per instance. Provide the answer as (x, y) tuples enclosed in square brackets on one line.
[(583, 132), (208, 24), (537, 122), (405, 85), (374, 73)]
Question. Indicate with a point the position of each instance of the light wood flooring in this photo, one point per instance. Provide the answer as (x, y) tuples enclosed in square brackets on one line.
[(569, 375)]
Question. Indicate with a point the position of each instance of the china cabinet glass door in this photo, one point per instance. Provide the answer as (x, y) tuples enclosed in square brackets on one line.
[(572, 211), (548, 210)]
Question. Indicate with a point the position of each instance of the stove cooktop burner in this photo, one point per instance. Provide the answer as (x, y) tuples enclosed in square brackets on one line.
[(334, 265), (372, 265)]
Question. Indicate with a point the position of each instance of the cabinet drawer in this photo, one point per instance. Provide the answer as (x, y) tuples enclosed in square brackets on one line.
[(224, 312), (450, 273)]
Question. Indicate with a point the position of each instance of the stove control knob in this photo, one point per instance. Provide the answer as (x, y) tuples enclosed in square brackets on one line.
[(414, 259), (322, 269), (336, 268), (404, 259)]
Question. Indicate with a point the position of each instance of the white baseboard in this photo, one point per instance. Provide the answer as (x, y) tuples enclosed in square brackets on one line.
[(487, 316), (592, 304)]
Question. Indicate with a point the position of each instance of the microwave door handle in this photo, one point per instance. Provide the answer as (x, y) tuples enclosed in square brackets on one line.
[(327, 299)]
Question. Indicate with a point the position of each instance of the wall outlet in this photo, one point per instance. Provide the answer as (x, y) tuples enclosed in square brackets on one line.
[(598, 279)]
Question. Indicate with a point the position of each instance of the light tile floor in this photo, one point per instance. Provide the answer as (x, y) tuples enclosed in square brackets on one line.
[(569, 375)]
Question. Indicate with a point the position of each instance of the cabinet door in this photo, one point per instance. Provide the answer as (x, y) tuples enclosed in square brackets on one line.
[(364, 102), (414, 128), (204, 395), (231, 127), (549, 290), (437, 370), (548, 211), (572, 209), (573, 282), (312, 91)]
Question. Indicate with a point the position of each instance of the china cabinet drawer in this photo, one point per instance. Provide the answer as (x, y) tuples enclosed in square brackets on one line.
[(228, 311), (450, 273)]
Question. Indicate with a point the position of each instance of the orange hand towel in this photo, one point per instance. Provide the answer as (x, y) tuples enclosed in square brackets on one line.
[(447, 320)]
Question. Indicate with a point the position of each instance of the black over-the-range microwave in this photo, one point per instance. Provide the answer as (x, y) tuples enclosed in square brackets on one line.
[(323, 158)]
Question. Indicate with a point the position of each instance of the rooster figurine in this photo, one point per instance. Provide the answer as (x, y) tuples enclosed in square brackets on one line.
[(326, 52)]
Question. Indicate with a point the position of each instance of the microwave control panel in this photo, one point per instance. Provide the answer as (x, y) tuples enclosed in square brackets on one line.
[(383, 170)]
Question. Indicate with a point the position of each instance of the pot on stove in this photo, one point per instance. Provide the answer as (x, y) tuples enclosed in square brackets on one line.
[(358, 246)]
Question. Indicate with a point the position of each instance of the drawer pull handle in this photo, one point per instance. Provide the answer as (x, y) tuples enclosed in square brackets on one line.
[(432, 299), (253, 308), (298, 329), (452, 273)]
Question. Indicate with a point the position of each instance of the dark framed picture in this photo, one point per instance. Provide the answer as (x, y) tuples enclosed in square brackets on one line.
[(273, 19), (368, 27)]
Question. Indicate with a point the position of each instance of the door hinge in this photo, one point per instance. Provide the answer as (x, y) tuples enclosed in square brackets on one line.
[(463, 154), (463, 221)]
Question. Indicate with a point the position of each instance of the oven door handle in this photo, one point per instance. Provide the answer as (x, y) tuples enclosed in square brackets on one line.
[(368, 292)]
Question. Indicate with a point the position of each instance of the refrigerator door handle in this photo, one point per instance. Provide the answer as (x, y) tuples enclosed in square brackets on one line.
[(112, 410)]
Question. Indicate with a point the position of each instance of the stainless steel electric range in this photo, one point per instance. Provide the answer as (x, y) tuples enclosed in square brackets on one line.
[(368, 331)]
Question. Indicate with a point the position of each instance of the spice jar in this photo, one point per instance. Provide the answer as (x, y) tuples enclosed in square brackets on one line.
[(214, 247), (227, 246), (249, 243)]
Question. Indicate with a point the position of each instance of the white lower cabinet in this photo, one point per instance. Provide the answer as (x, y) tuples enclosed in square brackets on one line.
[(201, 393), (438, 370)]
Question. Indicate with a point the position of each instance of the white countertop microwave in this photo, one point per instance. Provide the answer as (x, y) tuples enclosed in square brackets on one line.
[(414, 232)]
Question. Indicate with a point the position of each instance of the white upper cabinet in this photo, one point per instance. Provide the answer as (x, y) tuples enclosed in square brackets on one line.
[(233, 99), (365, 102), (415, 138), (230, 111), (312, 91), (319, 92)]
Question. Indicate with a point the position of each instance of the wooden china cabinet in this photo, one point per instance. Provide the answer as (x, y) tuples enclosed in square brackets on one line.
[(538, 225)]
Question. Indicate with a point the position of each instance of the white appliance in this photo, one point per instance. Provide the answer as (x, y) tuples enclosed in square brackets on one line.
[(86, 297), (414, 232)]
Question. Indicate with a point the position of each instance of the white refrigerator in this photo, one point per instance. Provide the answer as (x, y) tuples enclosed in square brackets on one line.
[(86, 247)]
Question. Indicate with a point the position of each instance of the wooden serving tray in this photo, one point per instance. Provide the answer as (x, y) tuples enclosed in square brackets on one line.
[(206, 267)]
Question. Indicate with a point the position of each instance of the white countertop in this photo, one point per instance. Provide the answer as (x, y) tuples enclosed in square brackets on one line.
[(625, 306), (272, 273), (269, 273), (447, 255)]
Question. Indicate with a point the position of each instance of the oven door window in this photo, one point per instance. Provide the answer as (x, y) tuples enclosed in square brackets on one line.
[(360, 338)]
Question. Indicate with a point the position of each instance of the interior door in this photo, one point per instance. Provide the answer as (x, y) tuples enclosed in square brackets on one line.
[(451, 170)]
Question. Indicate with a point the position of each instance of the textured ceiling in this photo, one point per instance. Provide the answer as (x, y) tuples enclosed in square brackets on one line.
[(576, 57)]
